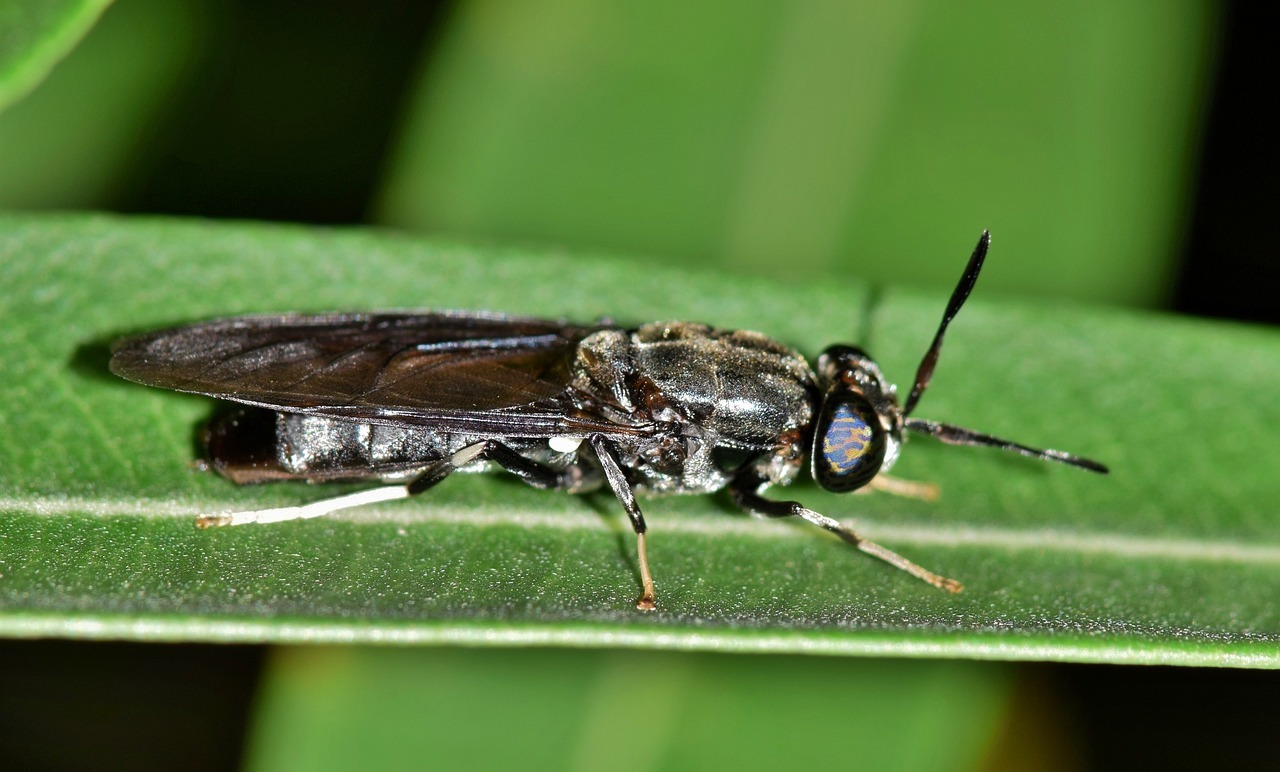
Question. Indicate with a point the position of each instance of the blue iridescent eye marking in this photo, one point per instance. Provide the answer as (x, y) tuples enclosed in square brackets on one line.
[(845, 443)]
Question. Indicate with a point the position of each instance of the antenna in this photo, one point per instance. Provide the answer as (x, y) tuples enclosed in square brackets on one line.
[(956, 435), (969, 278)]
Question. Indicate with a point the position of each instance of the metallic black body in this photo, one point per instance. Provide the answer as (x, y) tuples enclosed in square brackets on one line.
[(671, 407), (683, 405)]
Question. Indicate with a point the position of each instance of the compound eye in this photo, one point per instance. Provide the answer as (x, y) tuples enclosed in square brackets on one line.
[(849, 445)]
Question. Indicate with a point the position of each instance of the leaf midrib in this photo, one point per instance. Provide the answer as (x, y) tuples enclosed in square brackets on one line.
[(958, 535)]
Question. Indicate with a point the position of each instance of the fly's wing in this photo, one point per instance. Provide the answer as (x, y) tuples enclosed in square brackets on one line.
[(452, 371)]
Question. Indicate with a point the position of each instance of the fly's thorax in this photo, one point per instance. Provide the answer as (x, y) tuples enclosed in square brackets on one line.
[(712, 399), (742, 386), (603, 367)]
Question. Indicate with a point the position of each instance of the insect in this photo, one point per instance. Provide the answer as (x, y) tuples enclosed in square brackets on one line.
[(406, 399)]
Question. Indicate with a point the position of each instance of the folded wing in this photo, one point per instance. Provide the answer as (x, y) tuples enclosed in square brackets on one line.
[(457, 371)]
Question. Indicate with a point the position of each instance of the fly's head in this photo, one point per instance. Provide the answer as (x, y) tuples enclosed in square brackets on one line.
[(859, 426)]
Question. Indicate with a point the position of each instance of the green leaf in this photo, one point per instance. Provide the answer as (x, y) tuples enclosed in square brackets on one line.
[(379, 708), (81, 140), (827, 132), (1173, 558), (34, 35)]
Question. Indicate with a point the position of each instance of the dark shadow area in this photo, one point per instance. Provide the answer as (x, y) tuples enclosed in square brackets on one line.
[(76, 706), (1230, 268), (282, 85), (605, 506), (1170, 718), (92, 359)]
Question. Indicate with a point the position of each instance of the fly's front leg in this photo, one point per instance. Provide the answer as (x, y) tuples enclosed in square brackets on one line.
[(491, 450), (745, 491), (627, 496)]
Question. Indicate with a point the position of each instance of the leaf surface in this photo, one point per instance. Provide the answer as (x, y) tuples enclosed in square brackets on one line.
[(1173, 558)]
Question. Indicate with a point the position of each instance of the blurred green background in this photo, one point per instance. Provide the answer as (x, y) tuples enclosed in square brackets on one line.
[(813, 140)]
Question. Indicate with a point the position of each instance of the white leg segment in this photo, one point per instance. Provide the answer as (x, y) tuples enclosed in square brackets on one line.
[(314, 509)]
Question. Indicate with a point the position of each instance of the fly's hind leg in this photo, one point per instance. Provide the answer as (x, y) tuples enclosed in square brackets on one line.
[(536, 474), (305, 511), (745, 491), (490, 450)]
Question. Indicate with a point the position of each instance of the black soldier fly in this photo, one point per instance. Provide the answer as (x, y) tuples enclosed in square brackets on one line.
[(669, 407)]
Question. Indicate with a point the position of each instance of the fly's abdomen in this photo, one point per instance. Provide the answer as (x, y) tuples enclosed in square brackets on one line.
[(240, 444), (252, 445)]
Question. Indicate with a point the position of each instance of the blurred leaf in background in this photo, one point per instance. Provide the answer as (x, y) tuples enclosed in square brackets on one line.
[(34, 35), (622, 711), (73, 143), (828, 138)]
